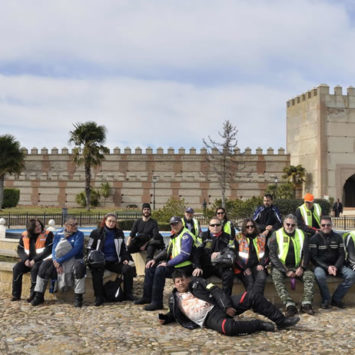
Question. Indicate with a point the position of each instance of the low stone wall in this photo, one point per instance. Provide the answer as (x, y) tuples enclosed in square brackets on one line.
[(6, 282), (297, 294)]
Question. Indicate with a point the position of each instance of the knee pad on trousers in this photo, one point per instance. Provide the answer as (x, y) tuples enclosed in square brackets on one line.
[(79, 269), (45, 270)]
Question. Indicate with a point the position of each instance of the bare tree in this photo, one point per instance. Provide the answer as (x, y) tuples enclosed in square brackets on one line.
[(221, 157)]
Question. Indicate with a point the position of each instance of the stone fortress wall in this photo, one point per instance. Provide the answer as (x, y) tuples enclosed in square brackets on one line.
[(321, 137), (50, 178)]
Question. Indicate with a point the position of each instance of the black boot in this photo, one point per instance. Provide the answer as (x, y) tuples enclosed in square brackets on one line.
[(78, 301), (128, 286), (32, 293), (38, 299), (99, 301)]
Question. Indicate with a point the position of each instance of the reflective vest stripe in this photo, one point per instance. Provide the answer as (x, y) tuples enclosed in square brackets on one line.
[(283, 242), (175, 247), (196, 226), (227, 228), (40, 242), (259, 245), (307, 214)]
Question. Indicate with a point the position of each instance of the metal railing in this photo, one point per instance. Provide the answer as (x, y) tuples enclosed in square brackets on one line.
[(84, 219)]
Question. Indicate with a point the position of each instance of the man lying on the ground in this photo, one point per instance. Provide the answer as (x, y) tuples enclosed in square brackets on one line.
[(195, 303)]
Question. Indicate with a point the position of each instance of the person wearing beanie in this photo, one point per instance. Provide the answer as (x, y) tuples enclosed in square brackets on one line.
[(308, 215), (145, 235)]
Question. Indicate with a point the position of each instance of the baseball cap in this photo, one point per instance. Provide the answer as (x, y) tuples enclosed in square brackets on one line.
[(175, 219), (189, 210)]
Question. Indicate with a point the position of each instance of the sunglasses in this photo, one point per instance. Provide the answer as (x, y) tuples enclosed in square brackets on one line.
[(290, 225), (220, 212), (215, 225), (250, 226), (325, 225)]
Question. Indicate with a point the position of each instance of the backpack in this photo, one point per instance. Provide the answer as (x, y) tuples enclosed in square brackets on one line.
[(113, 290)]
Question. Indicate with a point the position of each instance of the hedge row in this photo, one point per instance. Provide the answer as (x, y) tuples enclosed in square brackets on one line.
[(11, 198)]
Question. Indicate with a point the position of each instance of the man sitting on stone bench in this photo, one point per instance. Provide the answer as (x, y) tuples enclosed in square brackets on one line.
[(289, 255), (207, 256), (145, 235), (327, 255), (66, 264), (196, 303), (176, 256)]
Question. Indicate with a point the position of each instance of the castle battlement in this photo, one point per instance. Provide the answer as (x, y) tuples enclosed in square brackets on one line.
[(337, 99), (149, 151)]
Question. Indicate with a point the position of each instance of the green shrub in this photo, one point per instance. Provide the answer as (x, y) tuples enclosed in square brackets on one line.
[(11, 198), (94, 198), (287, 206), (126, 224), (173, 207)]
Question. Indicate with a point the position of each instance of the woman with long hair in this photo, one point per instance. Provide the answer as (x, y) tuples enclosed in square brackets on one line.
[(34, 246), (109, 240), (252, 257)]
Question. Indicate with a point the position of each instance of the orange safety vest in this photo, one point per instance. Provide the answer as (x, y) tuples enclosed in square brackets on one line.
[(40, 242), (259, 244)]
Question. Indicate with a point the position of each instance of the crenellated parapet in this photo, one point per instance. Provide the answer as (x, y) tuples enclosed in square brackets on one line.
[(150, 151), (348, 100)]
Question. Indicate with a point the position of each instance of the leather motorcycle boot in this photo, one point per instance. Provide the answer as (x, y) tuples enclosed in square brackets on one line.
[(78, 300), (291, 311), (307, 308), (288, 322), (142, 300), (153, 307), (38, 299), (338, 304), (15, 298), (99, 301), (32, 293), (267, 326)]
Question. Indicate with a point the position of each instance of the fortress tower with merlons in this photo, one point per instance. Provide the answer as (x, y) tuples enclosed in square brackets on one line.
[(320, 137)]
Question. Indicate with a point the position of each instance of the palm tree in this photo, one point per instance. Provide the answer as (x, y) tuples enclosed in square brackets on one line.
[(88, 138), (295, 175), (11, 160)]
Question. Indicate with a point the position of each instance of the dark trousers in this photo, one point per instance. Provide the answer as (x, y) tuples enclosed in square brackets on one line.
[(226, 274), (127, 271), (154, 281), (18, 270), (254, 282), (152, 246), (218, 320)]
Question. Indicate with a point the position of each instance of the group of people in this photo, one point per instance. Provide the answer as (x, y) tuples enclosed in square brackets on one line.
[(301, 246)]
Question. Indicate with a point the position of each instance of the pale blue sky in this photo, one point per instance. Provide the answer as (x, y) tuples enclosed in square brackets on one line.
[(167, 72)]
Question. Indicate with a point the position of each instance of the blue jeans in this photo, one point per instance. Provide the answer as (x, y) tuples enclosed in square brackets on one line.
[(321, 277), (154, 282)]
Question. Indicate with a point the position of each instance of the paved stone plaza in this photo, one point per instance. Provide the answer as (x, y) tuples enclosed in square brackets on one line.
[(59, 328)]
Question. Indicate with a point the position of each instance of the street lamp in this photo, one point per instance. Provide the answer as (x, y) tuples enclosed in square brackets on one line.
[(276, 180), (154, 180)]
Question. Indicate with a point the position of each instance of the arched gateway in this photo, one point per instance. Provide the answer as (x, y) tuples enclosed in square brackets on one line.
[(349, 192)]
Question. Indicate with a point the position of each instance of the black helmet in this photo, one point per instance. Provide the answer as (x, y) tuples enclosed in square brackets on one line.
[(226, 258), (96, 259)]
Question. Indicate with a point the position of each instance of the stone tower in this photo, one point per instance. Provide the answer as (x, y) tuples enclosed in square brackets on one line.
[(321, 137)]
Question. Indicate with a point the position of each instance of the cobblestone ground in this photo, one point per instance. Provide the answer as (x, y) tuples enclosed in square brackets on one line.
[(59, 328)]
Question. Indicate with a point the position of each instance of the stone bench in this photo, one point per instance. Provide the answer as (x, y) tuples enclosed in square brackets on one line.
[(6, 284), (297, 294)]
